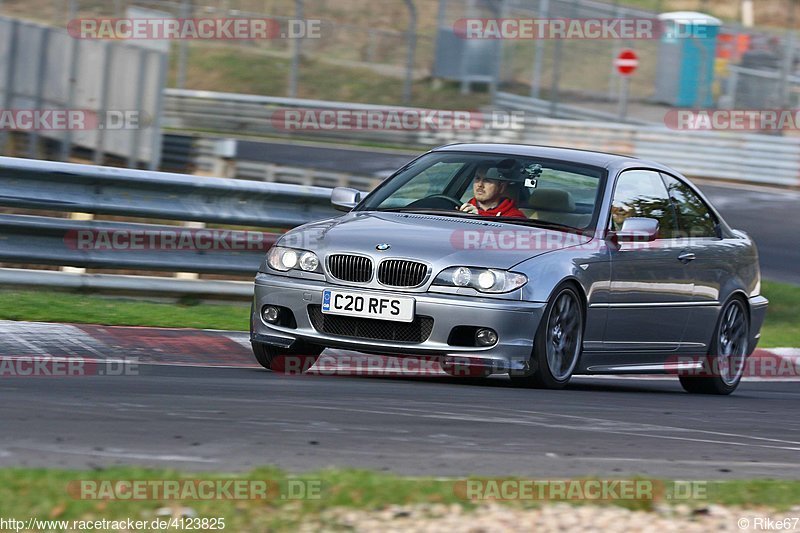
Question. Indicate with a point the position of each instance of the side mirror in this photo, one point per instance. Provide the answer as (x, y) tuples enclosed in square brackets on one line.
[(345, 198), (638, 229)]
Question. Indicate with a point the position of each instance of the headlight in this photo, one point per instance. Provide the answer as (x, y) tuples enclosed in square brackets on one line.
[(481, 279), (285, 259)]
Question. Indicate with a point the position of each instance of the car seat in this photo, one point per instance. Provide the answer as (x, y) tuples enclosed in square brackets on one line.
[(556, 205)]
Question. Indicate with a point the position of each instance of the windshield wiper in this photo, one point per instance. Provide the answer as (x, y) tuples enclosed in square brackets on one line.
[(460, 214)]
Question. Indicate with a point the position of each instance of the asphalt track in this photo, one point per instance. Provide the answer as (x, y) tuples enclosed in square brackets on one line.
[(217, 410), (229, 419), (769, 215), (197, 401)]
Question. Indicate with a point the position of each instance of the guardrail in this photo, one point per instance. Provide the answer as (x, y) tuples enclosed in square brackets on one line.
[(739, 156), (246, 114), (73, 188), (33, 184), (543, 108)]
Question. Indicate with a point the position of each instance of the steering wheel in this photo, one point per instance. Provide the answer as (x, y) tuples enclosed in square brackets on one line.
[(437, 201)]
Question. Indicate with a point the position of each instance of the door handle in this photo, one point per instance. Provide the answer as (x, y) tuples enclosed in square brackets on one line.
[(685, 257)]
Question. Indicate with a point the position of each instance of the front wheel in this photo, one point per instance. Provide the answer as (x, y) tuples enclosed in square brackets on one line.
[(558, 343), (724, 366), (295, 361)]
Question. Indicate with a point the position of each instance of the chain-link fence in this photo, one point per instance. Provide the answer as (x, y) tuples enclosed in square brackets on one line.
[(369, 50), (356, 38), (732, 66)]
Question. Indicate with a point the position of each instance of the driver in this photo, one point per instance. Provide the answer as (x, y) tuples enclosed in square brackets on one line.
[(489, 186)]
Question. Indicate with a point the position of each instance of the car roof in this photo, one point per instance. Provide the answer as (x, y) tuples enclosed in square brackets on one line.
[(586, 157)]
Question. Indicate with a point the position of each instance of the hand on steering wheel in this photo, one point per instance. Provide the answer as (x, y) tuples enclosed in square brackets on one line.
[(456, 203)]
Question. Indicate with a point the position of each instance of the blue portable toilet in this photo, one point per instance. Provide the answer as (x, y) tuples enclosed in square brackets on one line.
[(686, 53)]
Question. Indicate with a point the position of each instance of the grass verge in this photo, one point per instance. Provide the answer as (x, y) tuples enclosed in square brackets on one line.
[(781, 329), (54, 494), (82, 308)]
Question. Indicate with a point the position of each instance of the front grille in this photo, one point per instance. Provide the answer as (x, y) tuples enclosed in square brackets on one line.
[(368, 328), (350, 267), (401, 273)]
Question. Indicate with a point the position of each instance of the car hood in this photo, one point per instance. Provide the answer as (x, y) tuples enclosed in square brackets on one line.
[(439, 240)]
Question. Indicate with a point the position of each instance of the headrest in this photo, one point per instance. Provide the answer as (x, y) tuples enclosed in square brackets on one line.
[(494, 174), (552, 200)]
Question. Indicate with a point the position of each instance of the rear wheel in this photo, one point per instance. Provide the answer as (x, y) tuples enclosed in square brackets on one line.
[(558, 342), (295, 361), (723, 367)]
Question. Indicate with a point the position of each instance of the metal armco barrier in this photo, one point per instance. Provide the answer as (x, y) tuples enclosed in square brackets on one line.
[(120, 245), (67, 187), (246, 114), (728, 155)]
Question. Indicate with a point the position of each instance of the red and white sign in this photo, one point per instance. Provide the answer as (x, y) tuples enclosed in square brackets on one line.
[(626, 62)]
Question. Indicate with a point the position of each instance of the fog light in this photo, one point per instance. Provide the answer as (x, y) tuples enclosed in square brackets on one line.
[(485, 337), (270, 314)]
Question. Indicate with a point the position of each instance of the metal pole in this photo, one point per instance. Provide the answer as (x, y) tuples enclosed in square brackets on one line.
[(538, 55), (66, 143), (788, 59), (296, 51), (41, 73), (183, 50), (616, 48), (623, 99), (136, 134), (466, 79), (554, 96), (412, 47), (155, 138), (102, 112), (72, 12), (498, 64)]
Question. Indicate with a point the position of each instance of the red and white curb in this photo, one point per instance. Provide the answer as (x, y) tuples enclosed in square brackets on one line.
[(231, 349)]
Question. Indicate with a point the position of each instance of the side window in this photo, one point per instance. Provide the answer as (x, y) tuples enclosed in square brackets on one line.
[(694, 217), (641, 193)]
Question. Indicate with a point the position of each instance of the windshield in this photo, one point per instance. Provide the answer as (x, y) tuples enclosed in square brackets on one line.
[(516, 189)]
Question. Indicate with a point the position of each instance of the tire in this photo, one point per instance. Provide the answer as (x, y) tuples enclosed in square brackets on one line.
[(724, 365), (295, 361), (558, 343)]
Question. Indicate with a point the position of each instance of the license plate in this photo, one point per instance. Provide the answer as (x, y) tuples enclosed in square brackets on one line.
[(368, 305)]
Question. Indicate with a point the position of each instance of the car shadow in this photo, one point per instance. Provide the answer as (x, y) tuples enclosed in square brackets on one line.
[(585, 384)]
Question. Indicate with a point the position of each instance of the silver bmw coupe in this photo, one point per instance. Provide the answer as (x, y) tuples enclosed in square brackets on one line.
[(536, 262)]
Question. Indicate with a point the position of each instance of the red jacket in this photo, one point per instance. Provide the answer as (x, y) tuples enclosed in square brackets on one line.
[(506, 208)]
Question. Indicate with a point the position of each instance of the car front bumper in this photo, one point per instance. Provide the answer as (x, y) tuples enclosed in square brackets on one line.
[(514, 321)]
